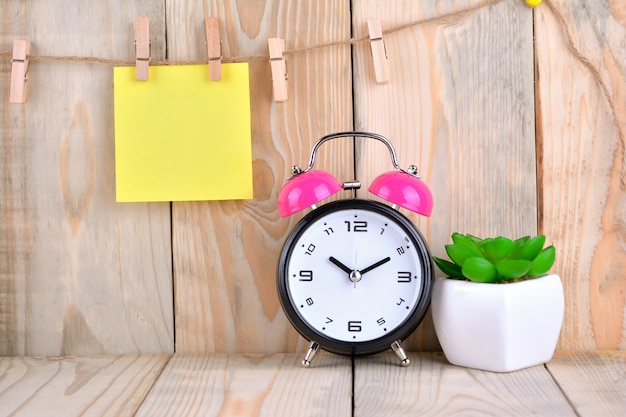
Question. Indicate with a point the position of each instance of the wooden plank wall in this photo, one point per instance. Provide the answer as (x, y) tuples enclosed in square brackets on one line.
[(581, 116), (514, 135), (465, 121), (225, 253), (79, 274)]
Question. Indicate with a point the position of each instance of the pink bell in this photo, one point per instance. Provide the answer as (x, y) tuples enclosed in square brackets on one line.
[(404, 189), (306, 189)]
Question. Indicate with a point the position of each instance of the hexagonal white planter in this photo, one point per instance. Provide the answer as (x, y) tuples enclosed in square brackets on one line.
[(498, 327)]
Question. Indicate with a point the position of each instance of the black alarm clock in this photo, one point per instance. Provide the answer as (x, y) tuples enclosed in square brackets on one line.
[(355, 276)]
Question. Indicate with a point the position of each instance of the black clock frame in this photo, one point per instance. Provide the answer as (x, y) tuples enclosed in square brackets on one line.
[(399, 333)]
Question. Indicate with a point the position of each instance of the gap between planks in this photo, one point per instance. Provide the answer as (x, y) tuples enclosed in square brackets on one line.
[(573, 383), (593, 382), (276, 385)]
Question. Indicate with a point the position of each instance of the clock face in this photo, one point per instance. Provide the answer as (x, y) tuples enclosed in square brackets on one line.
[(355, 276)]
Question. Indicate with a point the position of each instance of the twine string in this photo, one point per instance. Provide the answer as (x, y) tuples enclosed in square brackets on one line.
[(447, 18)]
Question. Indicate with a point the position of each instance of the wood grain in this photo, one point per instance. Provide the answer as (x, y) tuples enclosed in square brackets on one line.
[(82, 275), (225, 253), (582, 164), (79, 274), (594, 382), (94, 386), (459, 105), (251, 385), (591, 383), (433, 387)]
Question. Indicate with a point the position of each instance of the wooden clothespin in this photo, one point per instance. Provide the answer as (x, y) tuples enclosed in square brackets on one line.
[(19, 69), (379, 52), (142, 47), (213, 47), (279, 68)]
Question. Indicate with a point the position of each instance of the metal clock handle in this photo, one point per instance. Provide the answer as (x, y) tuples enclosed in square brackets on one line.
[(394, 159)]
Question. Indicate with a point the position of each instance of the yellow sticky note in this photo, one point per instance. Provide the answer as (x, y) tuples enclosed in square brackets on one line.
[(180, 136)]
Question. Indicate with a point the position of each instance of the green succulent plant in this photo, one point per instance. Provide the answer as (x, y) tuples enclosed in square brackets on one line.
[(496, 259)]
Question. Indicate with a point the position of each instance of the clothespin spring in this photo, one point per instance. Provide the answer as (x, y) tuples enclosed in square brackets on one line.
[(149, 52), (286, 67), (384, 46), (22, 61), (216, 58)]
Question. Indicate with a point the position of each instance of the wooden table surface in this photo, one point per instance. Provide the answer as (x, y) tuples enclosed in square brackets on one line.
[(591, 383)]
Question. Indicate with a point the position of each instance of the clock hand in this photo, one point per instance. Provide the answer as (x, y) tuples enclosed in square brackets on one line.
[(353, 274), (340, 265), (376, 265)]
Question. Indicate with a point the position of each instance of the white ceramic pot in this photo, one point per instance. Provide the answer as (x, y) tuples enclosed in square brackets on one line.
[(498, 327)]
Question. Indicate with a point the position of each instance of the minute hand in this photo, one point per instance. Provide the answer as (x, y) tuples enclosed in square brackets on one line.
[(376, 265)]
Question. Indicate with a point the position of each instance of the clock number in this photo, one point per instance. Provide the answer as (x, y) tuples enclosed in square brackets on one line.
[(354, 326), (356, 226), (306, 275), (360, 226), (380, 321), (310, 249), (329, 231), (309, 301), (404, 277), (328, 320), (400, 250)]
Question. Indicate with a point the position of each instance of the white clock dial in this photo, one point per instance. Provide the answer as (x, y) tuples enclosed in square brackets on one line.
[(355, 274)]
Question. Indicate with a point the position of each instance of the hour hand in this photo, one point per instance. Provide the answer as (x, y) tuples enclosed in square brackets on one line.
[(340, 265), (376, 265)]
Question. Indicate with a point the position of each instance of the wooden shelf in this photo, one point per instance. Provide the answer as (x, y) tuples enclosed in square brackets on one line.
[(572, 384), (72, 386)]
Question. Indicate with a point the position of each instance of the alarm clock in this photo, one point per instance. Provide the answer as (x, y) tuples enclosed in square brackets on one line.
[(355, 276)]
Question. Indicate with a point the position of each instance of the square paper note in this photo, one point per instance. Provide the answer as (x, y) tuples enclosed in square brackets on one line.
[(180, 136)]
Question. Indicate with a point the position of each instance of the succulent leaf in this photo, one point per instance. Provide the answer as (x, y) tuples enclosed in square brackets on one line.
[(518, 244), (459, 253), (480, 270), (466, 240), (532, 247), (543, 262), (498, 248), (450, 269), (521, 240), (475, 239), (513, 268)]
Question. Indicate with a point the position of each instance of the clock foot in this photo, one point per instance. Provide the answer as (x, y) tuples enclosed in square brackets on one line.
[(395, 346), (310, 354)]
